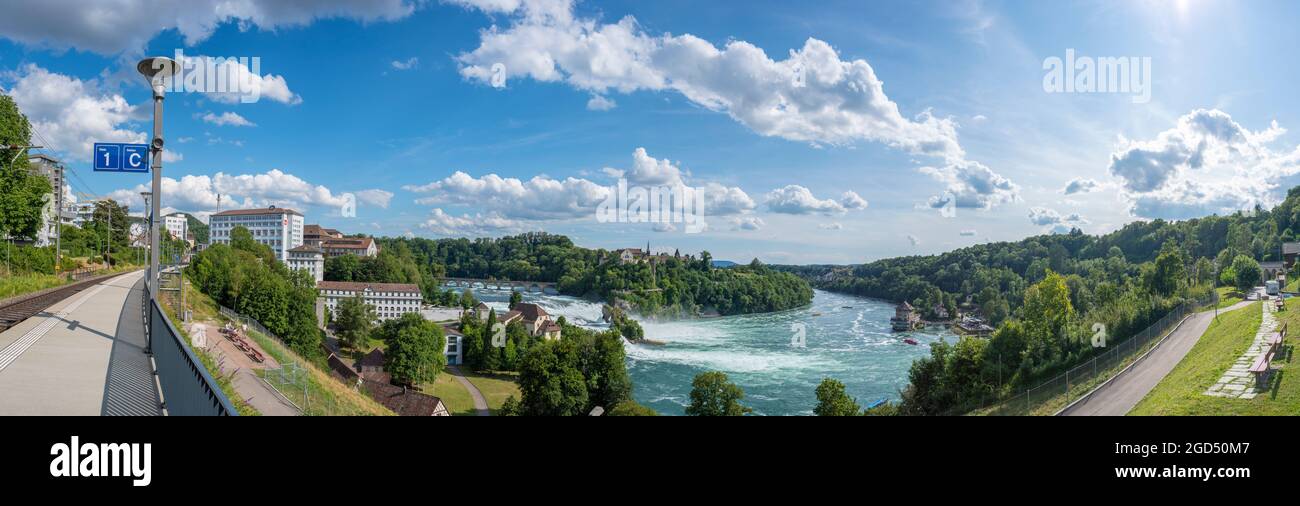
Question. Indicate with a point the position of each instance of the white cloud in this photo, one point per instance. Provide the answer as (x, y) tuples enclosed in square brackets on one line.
[(747, 223), (193, 193), (811, 96), (1054, 221), (406, 64), (795, 199), (375, 197), (479, 225), (127, 25), (1206, 163), (970, 232), (600, 103), (244, 84), (851, 200), (1080, 185), (71, 114), (831, 226), (973, 185), (227, 118)]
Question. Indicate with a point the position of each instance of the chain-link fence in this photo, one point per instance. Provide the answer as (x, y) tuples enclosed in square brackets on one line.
[(1053, 395)]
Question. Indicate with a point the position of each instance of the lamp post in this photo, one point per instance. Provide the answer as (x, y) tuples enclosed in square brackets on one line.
[(155, 70)]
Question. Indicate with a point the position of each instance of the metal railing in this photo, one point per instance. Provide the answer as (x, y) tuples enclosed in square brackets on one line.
[(187, 388), (1055, 394)]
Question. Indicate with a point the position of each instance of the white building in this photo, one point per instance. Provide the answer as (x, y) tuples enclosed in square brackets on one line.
[(279, 228), (455, 344), (176, 225), (390, 300), (310, 259), (359, 246)]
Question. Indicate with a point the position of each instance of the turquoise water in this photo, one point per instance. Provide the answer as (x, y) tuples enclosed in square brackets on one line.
[(853, 345)]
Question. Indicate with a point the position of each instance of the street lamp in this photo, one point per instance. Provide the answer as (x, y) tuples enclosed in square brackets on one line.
[(156, 70)]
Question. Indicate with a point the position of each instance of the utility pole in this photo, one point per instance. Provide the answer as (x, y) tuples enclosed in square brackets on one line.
[(58, 220)]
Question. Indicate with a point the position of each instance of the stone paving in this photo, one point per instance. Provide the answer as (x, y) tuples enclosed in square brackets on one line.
[(1237, 382)]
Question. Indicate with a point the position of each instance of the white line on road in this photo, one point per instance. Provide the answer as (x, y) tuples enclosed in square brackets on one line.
[(17, 348)]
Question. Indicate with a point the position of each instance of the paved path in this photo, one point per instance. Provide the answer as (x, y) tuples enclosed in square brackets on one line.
[(1122, 393), (81, 356), (256, 392), (1238, 382), (480, 403)]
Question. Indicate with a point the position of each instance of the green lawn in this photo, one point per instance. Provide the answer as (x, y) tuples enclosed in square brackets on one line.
[(453, 395), (1182, 391), (1229, 296), (496, 387)]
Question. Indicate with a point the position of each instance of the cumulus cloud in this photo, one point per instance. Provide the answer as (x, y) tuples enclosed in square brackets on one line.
[(71, 114), (480, 225), (1054, 221), (406, 64), (813, 95), (127, 25), (545, 198), (1206, 163), (851, 200), (972, 184), (227, 118), (796, 199), (198, 193), (1080, 185), (242, 84), (600, 103), (375, 197), (747, 223)]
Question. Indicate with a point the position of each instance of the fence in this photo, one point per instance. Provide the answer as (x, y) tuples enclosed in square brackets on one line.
[(187, 387), (1055, 394), (292, 378)]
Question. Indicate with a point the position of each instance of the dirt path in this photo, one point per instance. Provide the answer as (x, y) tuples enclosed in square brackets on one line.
[(261, 396), (480, 403)]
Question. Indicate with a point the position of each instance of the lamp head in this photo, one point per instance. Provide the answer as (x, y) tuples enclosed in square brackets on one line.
[(157, 68)]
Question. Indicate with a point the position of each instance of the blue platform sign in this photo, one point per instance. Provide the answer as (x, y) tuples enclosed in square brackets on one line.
[(119, 157)]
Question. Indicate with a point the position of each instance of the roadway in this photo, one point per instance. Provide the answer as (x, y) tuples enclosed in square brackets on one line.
[(83, 355), (1128, 388)]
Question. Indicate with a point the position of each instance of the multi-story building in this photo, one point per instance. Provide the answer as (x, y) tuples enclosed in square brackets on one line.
[(176, 225), (310, 259), (313, 235), (390, 300), (455, 344), (359, 246), (277, 227)]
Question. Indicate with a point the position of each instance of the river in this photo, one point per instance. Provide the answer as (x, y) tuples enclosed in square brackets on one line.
[(845, 337)]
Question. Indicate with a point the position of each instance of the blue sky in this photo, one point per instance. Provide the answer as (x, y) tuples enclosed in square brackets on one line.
[(903, 105)]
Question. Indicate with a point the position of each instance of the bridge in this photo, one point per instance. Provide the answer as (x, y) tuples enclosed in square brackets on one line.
[(100, 347), (502, 284)]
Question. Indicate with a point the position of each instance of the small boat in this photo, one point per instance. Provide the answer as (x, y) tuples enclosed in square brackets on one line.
[(817, 314), (846, 307), (910, 341)]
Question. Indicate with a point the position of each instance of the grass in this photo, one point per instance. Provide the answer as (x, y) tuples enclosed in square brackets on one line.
[(496, 387), (454, 395), (1229, 296), (1182, 391), (209, 363), (325, 395), (21, 284)]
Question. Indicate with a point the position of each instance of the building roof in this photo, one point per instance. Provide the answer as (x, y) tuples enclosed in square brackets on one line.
[(509, 316), (373, 359), (482, 305), (305, 249), (1290, 248), (249, 212), (311, 230), (403, 401), (530, 311), (348, 243), (353, 286), (551, 327), (1272, 265), (634, 251), (330, 231), (451, 332)]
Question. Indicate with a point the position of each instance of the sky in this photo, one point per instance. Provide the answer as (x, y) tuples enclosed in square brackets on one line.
[(828, 132)]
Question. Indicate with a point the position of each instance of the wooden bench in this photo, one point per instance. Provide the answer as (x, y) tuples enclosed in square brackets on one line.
[(1279, 304), (1261, 370), (1274, 343)]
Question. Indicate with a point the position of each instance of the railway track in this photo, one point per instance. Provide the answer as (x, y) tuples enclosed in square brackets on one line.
[(15, 310)]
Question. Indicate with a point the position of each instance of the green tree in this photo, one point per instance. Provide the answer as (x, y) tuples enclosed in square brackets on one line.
[(832, 400), (712, 394), (1168, 270), (1247, 272), (515, 298), (490, 356), (22, 193), (415, 352), (550, 382), (630, 408), (354, 321)]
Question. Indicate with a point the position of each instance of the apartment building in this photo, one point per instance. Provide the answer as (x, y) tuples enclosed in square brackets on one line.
[(176, 225), (310, 259), (279, 228), (390, 300)]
